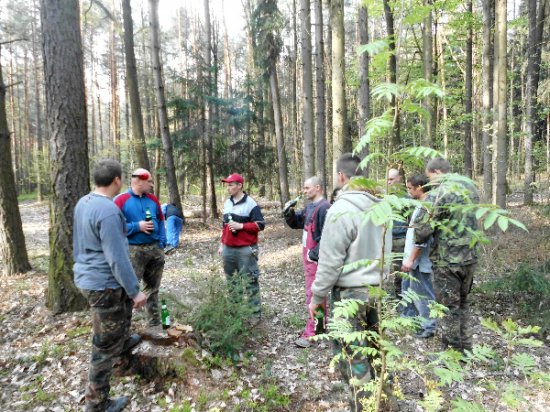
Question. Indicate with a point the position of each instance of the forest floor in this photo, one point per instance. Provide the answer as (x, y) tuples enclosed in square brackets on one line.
[(44, 358)]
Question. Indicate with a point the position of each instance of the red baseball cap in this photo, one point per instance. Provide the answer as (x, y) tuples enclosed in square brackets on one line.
[(234, 177)]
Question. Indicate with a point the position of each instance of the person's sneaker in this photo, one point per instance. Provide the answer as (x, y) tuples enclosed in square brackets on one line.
[(116, 404), (130, 343), (302, 342), (169, 250)]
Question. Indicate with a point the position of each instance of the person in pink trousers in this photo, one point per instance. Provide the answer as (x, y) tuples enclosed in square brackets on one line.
[(311, 219)]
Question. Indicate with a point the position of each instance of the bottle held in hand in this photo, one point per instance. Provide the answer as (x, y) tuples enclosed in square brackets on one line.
[(230, 219), (320, 324), (290, 204), (148, 215), (165, 315)]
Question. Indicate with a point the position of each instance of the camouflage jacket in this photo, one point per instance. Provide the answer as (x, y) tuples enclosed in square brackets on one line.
[(450, 221)]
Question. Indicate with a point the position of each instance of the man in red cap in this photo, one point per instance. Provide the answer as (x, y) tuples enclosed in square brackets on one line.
[(242, 220)]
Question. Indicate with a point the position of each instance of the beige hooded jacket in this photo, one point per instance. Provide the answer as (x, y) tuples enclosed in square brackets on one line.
[(346, 239)]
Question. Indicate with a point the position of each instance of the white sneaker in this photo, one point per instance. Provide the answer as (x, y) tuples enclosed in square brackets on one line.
[(302, 342)]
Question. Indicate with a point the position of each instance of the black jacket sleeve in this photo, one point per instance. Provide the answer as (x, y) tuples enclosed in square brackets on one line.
[(313, 254)]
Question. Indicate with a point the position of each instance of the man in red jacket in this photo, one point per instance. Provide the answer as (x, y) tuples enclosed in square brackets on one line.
[(242, 220)]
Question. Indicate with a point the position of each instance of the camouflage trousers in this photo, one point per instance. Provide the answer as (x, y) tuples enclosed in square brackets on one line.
[(356, 366), (452, 285), (148, 263), (244, 261), (111, 311), (398, 246)]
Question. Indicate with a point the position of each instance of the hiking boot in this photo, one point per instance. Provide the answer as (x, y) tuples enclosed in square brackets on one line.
[(302, 342), (117, 404), (130, 343)]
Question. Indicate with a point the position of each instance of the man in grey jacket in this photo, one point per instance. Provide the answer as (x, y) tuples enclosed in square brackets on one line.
[(347, 239), (104, 274)]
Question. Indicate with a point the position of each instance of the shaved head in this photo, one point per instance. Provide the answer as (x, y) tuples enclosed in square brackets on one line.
[(314, 181)]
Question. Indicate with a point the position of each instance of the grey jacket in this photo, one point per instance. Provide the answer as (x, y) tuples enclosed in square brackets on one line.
[(348, 238)]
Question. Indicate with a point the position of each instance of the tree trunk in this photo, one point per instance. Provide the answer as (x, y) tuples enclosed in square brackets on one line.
[(208, 111), (171, 180), (500, 98), (307, 89), (364, 84), (278, 119), (138, 134), (535, 25), (66, 117), (395, 142), (12, 239), (320, 131), (487, 98), (113, 75), (427, 60), (41, 158), (468, 163), (341, 141)]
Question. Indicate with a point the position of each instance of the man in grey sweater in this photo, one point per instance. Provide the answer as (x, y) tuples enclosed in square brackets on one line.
[(347, 239), (104, 274)]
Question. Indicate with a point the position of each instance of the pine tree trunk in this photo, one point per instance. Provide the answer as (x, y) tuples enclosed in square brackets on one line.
[(341, 142), (427, 60), (12, 240), (138, 133), (468, 162), (66, 118), (487, 98), (208, 111), (278, 120), (500, 99), (115, 100), (364, 84), (307, 90), (395, 141), (171, 180), (320, 114)]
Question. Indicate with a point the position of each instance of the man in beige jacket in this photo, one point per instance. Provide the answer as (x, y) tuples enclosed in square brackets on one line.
[(347, 239)]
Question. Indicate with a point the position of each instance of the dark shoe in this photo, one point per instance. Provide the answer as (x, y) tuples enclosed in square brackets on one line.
[(117, 404), (130, 343), (169, 250), (302, 342), (425, 334)]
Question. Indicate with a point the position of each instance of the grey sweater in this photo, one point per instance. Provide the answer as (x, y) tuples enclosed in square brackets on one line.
[(346, 239), (100, 247)]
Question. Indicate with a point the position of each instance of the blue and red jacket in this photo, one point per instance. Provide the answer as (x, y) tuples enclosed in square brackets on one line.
[(133, 208)]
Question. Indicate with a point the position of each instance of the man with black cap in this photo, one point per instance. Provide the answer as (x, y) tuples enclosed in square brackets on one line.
[(242, 220)]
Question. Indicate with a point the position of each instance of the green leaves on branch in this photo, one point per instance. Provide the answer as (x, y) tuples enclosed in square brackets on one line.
[(374, 47)]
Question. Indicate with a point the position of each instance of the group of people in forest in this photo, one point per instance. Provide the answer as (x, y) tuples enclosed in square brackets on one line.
[(108, 268)]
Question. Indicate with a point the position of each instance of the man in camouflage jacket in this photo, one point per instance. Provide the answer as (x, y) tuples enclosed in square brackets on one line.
[(454, 254)]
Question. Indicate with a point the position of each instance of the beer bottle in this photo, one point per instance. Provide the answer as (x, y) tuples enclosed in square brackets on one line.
[(290, 204), (148, 215), (320, 325), (165, 315), (230, 219)]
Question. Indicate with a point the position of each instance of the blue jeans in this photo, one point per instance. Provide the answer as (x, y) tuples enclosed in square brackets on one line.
[(424, 288), (174, 224)]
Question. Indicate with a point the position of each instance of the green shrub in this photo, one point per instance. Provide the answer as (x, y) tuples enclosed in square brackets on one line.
[(221, 315), (526, 278)]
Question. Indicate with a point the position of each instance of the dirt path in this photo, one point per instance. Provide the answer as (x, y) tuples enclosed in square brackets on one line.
[(43, 359)]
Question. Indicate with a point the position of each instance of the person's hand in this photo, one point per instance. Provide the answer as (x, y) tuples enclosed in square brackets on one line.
[(235, 225), (407, 265), (313, 308), (308, 258), (146, 227), (220, 250), (139, 300)]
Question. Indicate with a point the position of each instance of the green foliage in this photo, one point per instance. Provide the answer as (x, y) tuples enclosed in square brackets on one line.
[(526, 278), (461, 405), (221, 315)]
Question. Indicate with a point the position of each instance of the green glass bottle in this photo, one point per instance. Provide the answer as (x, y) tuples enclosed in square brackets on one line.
[(148, 215), (164, 315), (320, 324)]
